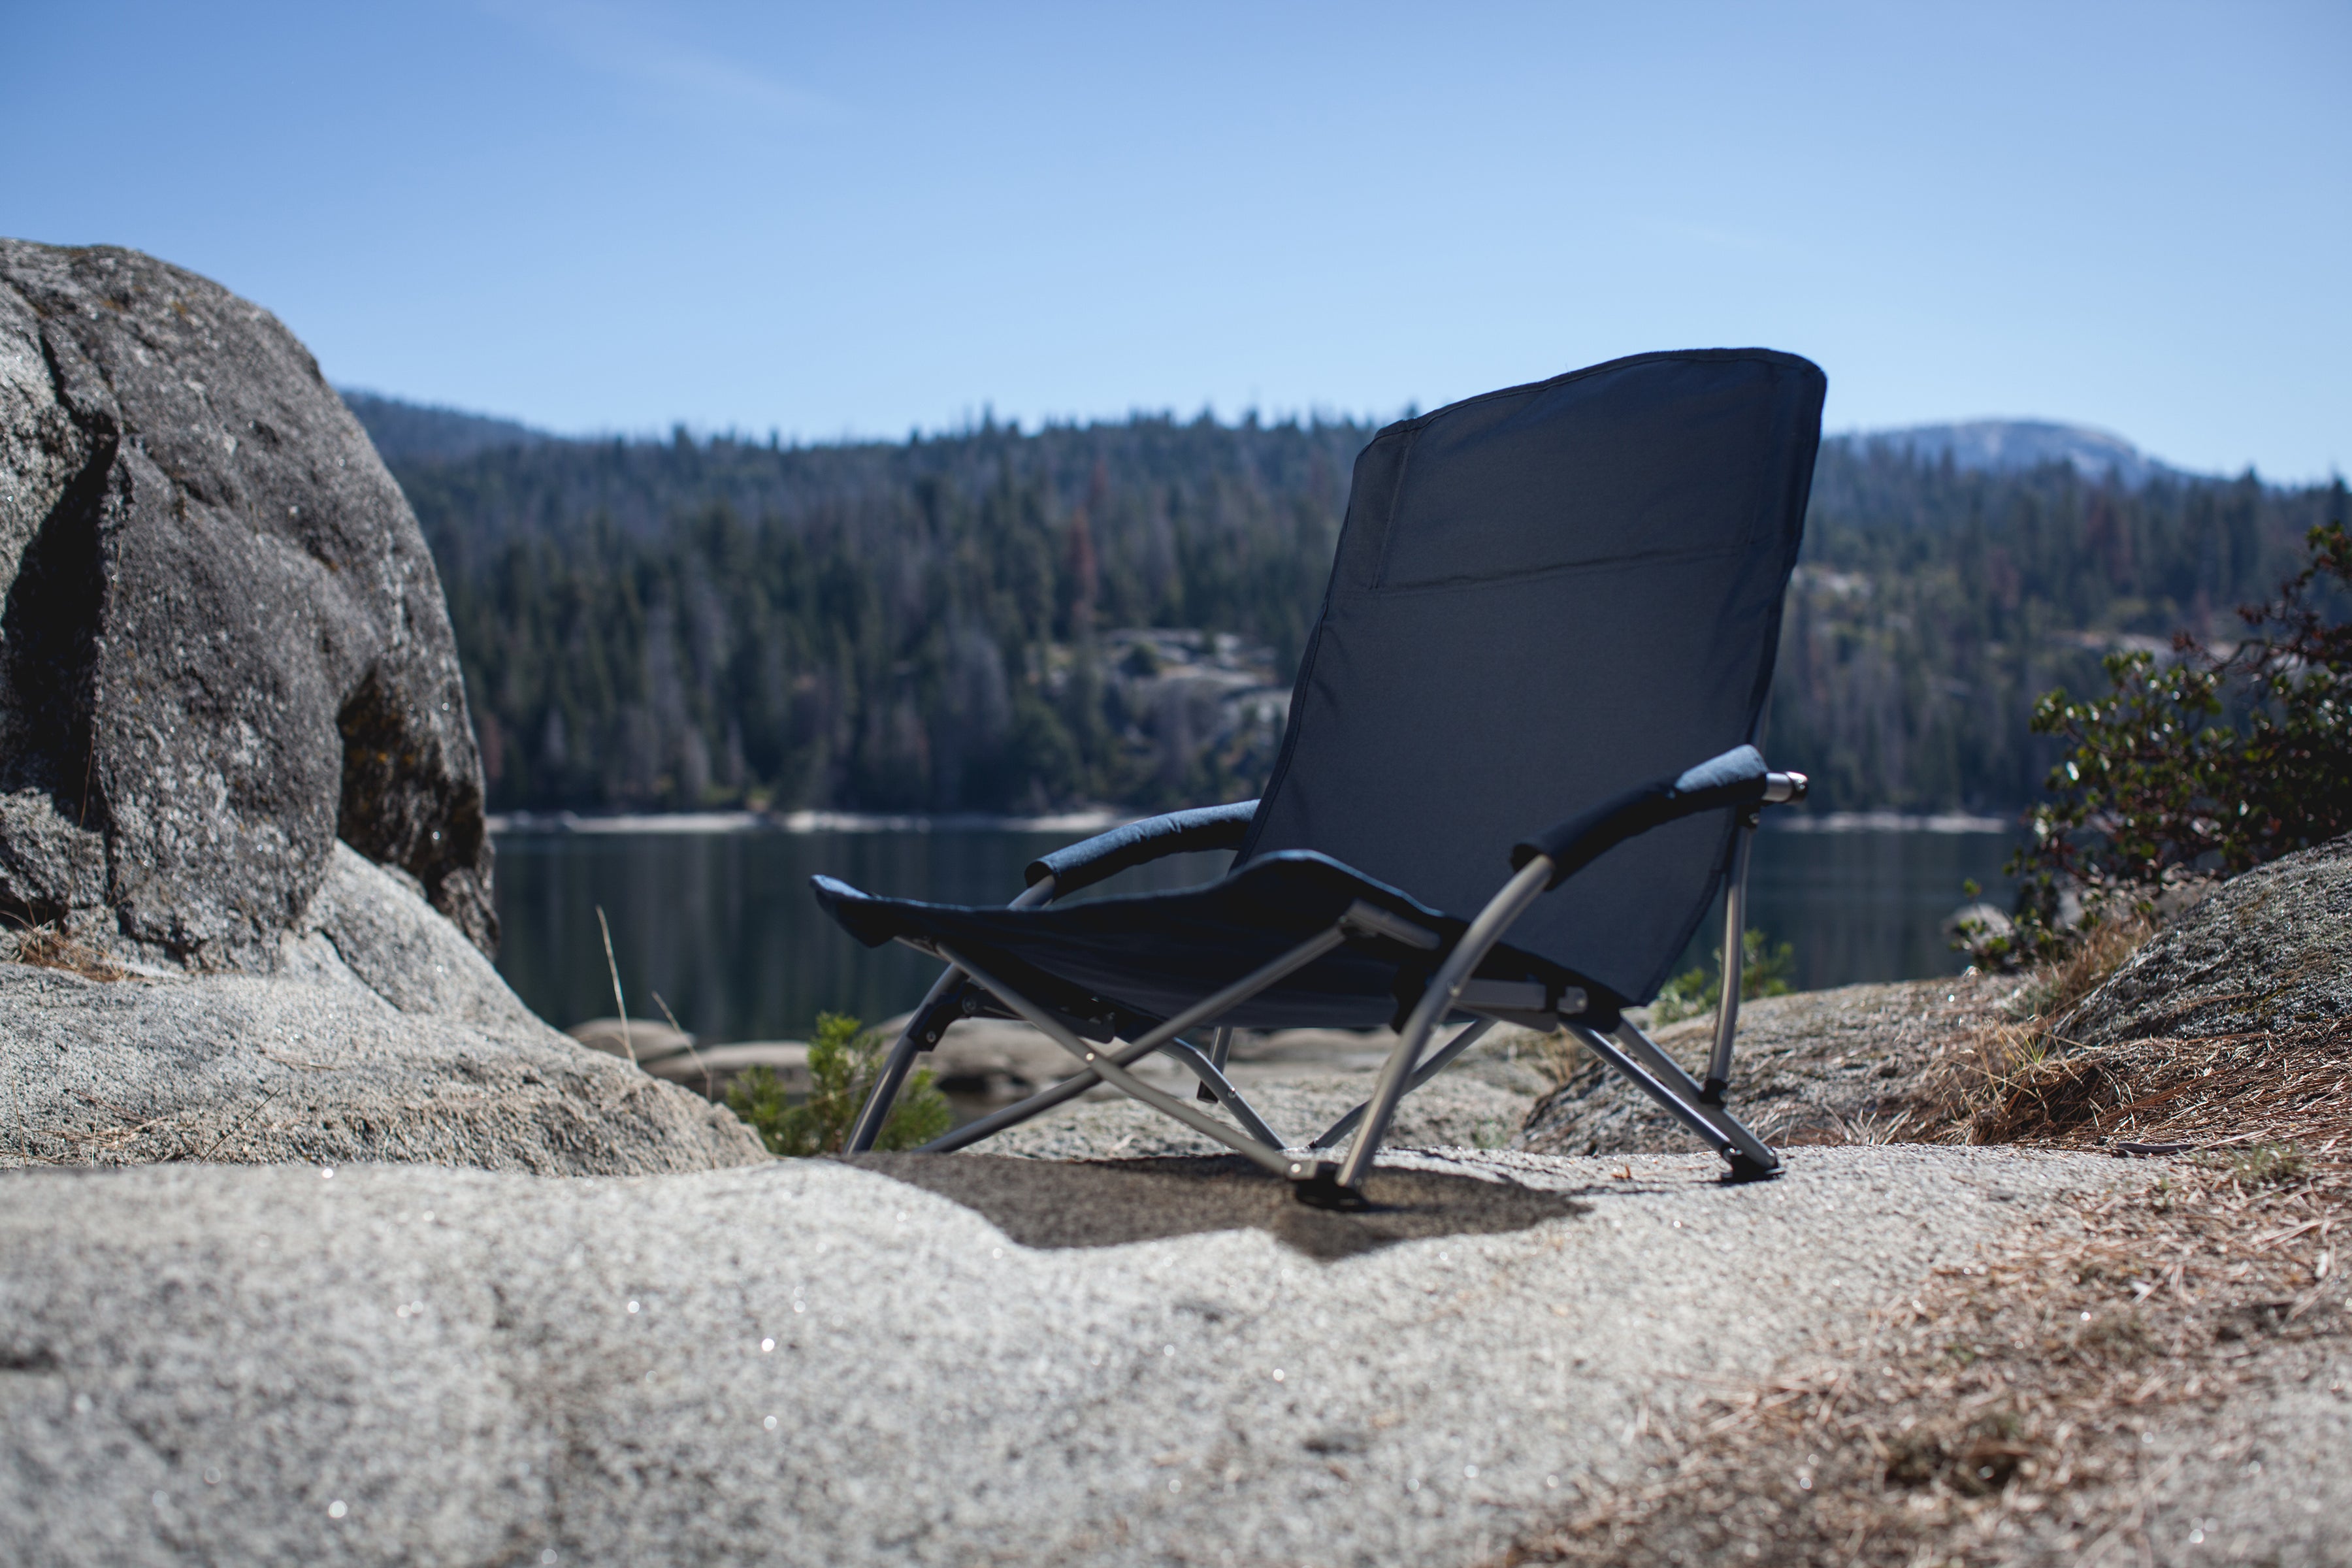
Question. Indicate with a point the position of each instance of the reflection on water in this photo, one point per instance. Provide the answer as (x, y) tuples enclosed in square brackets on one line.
[(723, 927), (1867, 905)]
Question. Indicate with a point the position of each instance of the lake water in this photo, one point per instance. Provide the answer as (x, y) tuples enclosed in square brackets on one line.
[(722, 926)]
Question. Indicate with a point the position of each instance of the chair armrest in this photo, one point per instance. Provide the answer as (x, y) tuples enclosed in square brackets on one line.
[(1107, 854), (1737, 778)]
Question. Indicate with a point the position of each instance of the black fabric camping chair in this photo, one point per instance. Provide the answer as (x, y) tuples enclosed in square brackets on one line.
[(1554, 604)]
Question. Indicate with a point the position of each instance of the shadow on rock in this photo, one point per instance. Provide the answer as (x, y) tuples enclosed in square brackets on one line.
[(1106, 1203)]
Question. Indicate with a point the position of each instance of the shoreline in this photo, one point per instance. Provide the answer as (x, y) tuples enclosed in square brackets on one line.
[(1097, 819), (718, 822)]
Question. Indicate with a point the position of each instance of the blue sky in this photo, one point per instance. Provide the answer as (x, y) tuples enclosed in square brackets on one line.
[(862, 219)]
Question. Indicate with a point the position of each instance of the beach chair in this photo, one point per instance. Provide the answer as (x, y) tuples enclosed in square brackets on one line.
[(1532, 694)]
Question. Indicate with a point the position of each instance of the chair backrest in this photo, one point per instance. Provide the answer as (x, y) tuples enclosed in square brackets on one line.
[(1542, 596)]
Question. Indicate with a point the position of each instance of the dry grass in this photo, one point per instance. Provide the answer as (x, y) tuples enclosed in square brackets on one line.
[(2005, 1412), (2008, 1412), (2219, 1092), (1969, 1092), (50, 947), (1557, 1055)]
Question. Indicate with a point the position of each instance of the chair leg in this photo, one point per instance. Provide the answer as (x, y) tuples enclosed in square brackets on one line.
[(1037, 1105), (1438, 1061), (1220, 1044), (1634, 1055), (1102, 1065), (1436, 1001), (931, 1019), (922, 1032), (1734, 960), (1667, 1070), (1219, 1089)]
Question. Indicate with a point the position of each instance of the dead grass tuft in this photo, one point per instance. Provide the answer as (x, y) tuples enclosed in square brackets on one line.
[(2005, 1412), (1558, 1056), (2020, 1080), (2055, 990), (2229, 1092), (50, 947)]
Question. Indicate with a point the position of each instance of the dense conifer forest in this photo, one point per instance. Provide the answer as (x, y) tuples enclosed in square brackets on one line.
[(1001, 620)]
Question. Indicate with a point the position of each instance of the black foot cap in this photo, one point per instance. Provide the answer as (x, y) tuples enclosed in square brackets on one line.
[(1322, 1191), (1744, 1169)]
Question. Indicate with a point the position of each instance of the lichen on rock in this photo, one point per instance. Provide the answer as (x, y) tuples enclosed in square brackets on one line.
[(244, 876), (223, 645)]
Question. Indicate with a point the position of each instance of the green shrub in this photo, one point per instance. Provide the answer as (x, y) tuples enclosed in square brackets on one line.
[(842, 1064), (1762, 973), (2211, 761)]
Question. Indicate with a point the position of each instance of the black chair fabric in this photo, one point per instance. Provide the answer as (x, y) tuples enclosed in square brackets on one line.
[(1157, 954), (1543, 597)]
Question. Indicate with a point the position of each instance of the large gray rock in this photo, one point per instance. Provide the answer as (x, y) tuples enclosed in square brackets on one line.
[(222, 641), (813, 1363), (2268, 949), (382, 1034)]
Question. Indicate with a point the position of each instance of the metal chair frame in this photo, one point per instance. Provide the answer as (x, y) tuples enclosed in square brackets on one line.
[(1697, 1105)]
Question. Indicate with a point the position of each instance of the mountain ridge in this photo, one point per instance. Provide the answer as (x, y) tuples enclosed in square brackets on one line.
[(959, 622), (406, 432)]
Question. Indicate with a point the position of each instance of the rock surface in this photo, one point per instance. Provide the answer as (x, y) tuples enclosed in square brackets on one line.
[(411, 1365), (222, 640), (1300, 1081), (383, 1035), (1819, 1067), (1449, 1112), (2268, 949)]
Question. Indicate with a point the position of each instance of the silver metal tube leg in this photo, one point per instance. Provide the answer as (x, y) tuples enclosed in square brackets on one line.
[(1485, 931), (876, 1109), (1037, 1104), (922, 1032), (1269, 1155), (1668, 1071), (1437, 1062), (996, 1121), (1221, 1090), (1086, 1078), (1735, 962), (1220, 1044), (1675, 1105)]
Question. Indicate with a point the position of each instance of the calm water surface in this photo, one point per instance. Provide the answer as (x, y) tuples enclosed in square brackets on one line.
[(722, 926)]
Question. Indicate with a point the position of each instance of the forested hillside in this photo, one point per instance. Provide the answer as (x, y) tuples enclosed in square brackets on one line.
[(999, 620)]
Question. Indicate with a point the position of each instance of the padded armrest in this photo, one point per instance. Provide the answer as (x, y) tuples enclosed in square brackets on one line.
[(1107, 854), (1739, 777)]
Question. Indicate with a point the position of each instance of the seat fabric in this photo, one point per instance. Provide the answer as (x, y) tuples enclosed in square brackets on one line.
[(1118, 965)]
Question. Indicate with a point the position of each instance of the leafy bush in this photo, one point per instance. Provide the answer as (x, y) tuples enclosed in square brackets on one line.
[(1762, 973), (842, 1064), (2209, 760)]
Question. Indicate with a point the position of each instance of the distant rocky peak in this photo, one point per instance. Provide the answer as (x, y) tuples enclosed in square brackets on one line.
[(2007, 446)]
